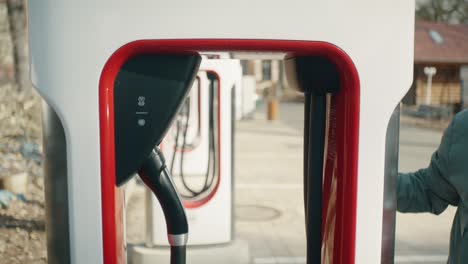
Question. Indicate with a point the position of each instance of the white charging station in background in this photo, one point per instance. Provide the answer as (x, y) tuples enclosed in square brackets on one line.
[(196, 153), (210, 220)]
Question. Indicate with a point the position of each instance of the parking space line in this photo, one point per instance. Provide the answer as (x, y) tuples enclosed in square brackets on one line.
[(269, 186), (398, 259), (280, 260), (421, 259)]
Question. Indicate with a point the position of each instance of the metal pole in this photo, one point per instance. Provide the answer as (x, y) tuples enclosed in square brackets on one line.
[(429, 89), (464, 86), (429, 71), (149, 242)]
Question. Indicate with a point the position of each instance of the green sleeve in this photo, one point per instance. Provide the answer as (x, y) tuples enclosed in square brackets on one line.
[(429, 189)]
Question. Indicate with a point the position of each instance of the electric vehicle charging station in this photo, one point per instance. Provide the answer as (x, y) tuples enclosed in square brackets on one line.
[(199, 152), (202, 167), (78, 49)]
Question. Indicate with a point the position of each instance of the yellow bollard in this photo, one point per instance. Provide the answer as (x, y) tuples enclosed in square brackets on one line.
[(272, 109)]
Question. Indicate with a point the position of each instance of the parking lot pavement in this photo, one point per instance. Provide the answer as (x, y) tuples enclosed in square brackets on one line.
[(268, 185), (268, 199)]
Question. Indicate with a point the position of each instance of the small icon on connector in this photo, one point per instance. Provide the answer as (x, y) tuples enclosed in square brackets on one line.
[(141, 122), (141, 100)]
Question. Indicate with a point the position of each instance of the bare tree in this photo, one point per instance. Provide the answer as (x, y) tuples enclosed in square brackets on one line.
[(18, 31), (451, 11)]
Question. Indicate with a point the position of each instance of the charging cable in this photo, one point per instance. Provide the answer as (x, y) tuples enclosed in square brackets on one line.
[(156, 176), (182, 127)]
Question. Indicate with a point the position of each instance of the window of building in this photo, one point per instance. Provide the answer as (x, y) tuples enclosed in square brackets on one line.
[(245, 67), (266, 70)]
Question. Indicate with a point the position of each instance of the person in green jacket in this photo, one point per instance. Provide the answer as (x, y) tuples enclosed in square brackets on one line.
[(444, 182)]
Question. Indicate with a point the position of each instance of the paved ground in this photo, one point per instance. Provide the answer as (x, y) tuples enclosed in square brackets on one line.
[(268, 198), (269, 209)]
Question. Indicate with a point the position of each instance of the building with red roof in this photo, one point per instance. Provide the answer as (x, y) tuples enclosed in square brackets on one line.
[(440, 50)]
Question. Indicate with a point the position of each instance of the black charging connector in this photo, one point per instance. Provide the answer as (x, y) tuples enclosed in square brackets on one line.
[(156, 176), (149, 89)]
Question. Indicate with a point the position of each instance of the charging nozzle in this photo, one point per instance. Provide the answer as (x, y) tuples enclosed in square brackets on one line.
[(156, 176), (149, 90)]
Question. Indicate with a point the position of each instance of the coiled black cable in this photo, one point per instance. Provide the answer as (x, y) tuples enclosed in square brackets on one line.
[(211, 171)]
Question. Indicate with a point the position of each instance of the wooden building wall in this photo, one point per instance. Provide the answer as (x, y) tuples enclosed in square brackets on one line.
[(442, 93), (445, 88)]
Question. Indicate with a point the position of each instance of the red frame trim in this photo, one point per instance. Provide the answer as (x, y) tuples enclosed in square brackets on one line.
[(347, 105)]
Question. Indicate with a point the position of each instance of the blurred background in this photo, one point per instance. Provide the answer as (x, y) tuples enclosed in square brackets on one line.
[(268, 198)]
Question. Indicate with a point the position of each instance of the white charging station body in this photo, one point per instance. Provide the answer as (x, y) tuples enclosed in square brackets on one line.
[(71, 42)]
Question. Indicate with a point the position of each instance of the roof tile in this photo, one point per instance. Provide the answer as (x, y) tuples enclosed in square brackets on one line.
[(454, 48)]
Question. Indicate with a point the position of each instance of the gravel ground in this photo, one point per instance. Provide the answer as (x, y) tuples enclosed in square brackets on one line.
[(22, 223), (22, 228)]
